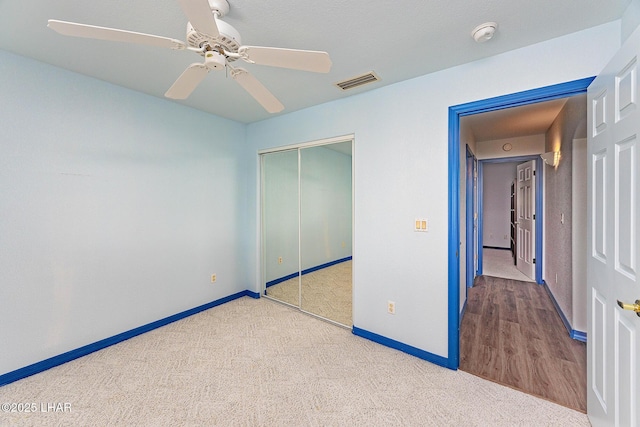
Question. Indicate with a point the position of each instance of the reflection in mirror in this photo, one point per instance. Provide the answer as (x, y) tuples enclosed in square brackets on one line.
[(325, 231), (280, 226)]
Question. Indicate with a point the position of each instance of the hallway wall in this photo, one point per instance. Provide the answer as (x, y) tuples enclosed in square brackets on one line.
[(558, 209)]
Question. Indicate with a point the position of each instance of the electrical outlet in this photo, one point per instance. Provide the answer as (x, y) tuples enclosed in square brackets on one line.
[(279, 260), (391, 307), (213, 278)]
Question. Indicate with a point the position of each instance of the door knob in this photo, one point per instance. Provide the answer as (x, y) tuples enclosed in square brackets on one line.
[(633, 307)]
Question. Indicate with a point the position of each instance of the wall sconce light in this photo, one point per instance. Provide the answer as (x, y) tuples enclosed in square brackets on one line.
[(551, 158)]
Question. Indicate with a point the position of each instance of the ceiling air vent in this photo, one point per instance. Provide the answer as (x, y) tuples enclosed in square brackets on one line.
[(357, 81)]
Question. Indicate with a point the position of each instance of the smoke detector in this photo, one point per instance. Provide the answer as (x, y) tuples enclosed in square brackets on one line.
[(484, 32)]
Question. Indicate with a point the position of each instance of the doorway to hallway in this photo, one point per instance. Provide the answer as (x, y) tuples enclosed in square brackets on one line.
[(457, 195)]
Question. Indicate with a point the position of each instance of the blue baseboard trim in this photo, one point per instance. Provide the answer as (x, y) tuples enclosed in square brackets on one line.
[(388, 342), (307, 271), (329, 264), (51, 362), (576, 335), (282, 279), (255, 295)]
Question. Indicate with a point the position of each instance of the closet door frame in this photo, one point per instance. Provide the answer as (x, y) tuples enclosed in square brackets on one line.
[(261, 202)]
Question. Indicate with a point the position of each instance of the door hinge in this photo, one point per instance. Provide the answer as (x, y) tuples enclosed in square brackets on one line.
[(534, 216), (534, 173), (534, 260)]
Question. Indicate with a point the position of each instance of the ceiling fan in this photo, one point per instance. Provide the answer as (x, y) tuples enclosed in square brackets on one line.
[(220, 45)]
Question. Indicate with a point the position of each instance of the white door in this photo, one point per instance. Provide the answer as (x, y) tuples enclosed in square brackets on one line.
[(525, 214), (613, 346)]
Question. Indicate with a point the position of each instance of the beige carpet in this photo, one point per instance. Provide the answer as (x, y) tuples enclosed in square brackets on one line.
[(259, 363), (327, 292)]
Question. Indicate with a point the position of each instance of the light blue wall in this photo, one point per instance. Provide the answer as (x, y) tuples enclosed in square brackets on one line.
[(401, 137), (115, 208)]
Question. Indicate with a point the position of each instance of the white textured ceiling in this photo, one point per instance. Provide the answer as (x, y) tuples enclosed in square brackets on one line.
[(525, 120), (531, 119), (398, 40)]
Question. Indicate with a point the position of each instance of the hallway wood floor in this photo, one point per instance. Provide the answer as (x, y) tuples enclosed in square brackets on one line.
[(511, 334)]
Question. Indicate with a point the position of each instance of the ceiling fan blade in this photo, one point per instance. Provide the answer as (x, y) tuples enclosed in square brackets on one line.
[(112, 34), (187, 82), (199, 13), (306, 60), (257, 90)]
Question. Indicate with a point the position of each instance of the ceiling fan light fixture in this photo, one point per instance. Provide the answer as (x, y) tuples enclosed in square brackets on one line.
[(214, 60), (484, 32)]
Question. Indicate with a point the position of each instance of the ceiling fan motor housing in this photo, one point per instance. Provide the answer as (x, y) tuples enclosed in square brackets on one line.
[(229, 38)]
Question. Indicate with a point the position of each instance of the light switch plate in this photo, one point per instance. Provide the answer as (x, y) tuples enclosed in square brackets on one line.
[(421, 224)]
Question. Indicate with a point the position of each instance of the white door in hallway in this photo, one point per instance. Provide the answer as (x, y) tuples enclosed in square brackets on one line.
[(613, 347), (525, 214)]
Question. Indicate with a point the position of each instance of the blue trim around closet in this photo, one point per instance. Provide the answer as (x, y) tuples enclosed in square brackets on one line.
[(254, 295), (532, 96), (51, 362)]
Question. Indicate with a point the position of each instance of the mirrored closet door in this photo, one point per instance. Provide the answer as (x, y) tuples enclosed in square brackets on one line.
[(280, 225), (323, 190)]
